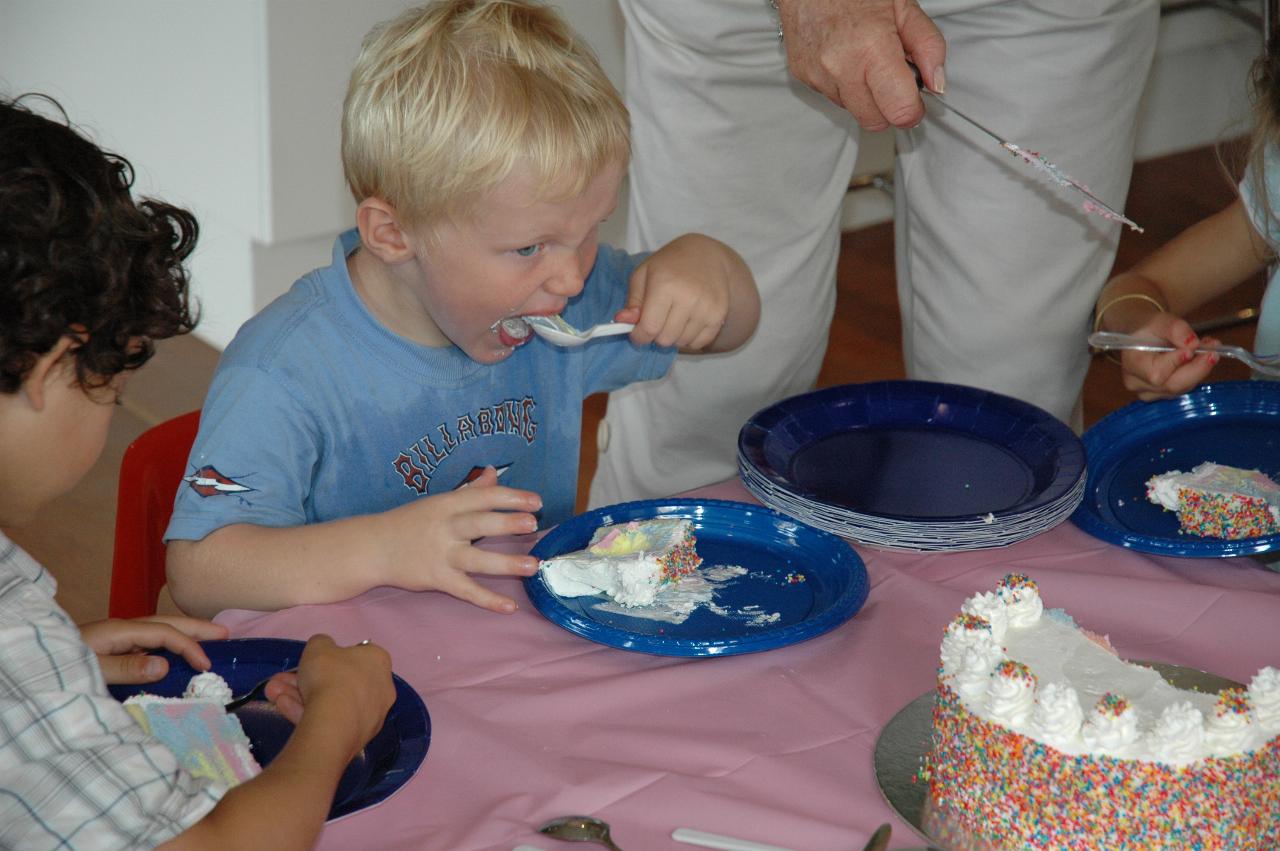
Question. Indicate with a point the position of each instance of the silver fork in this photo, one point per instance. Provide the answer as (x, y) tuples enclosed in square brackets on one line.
[(1262, 364), (240, 700)]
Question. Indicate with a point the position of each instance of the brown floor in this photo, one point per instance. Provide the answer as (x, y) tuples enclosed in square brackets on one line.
[(74, 536)]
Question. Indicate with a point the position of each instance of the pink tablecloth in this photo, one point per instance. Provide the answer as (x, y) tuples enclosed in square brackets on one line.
[(530, 721)]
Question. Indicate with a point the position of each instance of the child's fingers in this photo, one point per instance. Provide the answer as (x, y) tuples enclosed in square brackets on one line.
[(467, 589), (132, 668), (704, 337), (472, 525), (1191, 374), (197, 628), (282, 690), (496, 498), (628, 314), (157, 634)]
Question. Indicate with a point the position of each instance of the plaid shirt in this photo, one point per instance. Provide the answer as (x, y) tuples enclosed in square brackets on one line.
[(75, 770)]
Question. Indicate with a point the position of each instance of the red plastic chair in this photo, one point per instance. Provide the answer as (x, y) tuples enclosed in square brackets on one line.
[(150, 473)]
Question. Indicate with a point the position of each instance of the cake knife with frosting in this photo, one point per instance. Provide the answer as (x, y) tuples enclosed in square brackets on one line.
[(1092, 203)]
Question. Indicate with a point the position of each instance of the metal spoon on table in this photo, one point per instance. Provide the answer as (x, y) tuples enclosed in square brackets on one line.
[(579, 829)]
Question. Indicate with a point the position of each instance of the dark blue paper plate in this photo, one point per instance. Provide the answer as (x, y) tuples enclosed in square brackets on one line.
[(1236, 423), (914, 451), (775, 549), (387, 761)]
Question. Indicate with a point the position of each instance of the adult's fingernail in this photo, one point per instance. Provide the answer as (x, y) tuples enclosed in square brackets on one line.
[(940, 80), (154, 667)]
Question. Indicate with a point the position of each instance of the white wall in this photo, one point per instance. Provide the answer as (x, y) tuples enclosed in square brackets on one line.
[(232, 109)]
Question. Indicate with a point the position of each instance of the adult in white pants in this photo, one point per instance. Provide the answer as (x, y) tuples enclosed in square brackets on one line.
[(997, 267)]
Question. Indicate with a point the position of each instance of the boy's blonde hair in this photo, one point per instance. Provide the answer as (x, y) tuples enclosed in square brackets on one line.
[(446, 99)]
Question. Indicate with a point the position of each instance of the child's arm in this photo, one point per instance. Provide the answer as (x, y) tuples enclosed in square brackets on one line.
[(1206, 260), (425, 545), (346, 693), (694, 293)]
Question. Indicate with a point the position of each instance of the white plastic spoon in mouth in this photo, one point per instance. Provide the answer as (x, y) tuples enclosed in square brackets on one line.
[(555, 330)]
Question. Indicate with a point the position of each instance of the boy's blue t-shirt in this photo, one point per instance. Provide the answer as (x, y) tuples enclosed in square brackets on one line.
[(318, 412)]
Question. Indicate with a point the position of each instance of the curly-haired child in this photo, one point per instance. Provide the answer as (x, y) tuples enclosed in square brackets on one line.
[(89, 278)]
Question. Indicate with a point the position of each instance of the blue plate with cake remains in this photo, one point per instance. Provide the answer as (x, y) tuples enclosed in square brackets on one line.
[(1236, 423), (387, 762), (766, 581)]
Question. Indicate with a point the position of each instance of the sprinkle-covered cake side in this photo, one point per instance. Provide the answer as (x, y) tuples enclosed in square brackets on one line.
[(1216, 501), (1036, 744)]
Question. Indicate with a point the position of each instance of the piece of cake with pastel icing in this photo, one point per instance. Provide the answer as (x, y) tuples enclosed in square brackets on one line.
[(629, 562), (1044, 738), (1216, 501), (207, 740)]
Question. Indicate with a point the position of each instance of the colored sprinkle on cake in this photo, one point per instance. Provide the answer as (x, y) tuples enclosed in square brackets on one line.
[(1011, 670), (971, 623), (1018, 582), (1113, 705), (1232, 701)]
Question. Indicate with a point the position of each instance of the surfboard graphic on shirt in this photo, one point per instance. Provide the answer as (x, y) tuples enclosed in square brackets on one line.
[(207, 481)]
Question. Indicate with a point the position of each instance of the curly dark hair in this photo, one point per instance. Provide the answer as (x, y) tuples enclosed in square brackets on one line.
[(79, 257)]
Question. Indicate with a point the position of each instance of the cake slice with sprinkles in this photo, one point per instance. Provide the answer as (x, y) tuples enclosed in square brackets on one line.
[(630, 562), (1216, 501)]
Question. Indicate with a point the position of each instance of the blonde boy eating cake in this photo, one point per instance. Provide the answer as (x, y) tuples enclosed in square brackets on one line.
[(483, 145)]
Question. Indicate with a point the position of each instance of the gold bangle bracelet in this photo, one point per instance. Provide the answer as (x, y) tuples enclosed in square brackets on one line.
[(1097, 317)]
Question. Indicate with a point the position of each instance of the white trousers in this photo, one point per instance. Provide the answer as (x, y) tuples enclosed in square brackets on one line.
[(997, 268)]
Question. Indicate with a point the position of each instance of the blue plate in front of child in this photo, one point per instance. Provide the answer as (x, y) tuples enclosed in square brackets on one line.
[(770, 581), (384, 765), (1235, 423)]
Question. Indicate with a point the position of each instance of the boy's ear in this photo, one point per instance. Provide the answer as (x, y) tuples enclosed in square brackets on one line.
[(48, 366), (381, 231)]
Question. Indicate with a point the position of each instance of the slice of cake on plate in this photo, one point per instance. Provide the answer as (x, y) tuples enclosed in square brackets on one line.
[(630, 562), (1215, 501), (1043, 738), (207, 740)]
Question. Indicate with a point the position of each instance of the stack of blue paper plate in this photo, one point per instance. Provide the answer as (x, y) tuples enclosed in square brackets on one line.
[(914, 465)]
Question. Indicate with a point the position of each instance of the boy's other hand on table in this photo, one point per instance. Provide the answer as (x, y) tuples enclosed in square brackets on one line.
[(429, 543), (121, 645)]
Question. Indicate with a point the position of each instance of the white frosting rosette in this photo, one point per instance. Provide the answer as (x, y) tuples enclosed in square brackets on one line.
[(1178, 735), (989, 605), (1230, 727), (1057, 717), (1021, 597), (1112, 727), (974, 668), (962, 633), (1011, 693), (208, 686), (1264, 694)]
